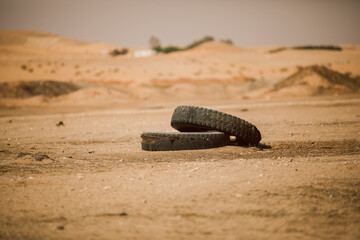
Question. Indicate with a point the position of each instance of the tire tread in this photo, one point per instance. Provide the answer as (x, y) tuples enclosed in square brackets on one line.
[(193, 119)]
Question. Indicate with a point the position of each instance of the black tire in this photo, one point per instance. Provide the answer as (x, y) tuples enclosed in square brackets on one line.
[(171, 141), (195, 119)]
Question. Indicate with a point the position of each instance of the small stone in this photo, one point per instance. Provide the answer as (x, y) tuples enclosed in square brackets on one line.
[(80, 177), (40, 157), (290, 160), (107, 187), (194, 169), (291, 134), (22, 154), (60, 123), (60, 227)]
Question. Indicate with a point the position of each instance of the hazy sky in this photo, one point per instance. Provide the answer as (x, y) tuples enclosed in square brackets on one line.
[(178, 22)]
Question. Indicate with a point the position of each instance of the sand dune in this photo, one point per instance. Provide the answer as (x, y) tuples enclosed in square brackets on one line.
[(212, 70), (41, 43), (316, 80)]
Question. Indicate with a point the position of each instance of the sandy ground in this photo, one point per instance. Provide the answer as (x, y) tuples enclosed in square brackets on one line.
[(98, 183), (89, 178)]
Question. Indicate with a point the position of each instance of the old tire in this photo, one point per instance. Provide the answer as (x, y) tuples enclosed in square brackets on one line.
[(172, 141), (195, 119)]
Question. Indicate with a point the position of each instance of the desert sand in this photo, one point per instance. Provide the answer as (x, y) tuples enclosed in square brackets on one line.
[(88, 177)]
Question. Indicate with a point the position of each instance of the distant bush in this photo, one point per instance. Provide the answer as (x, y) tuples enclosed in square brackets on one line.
[(276, 50), (154, 42), (170, 49), (308, 47), (199, 42), (117, 52), (320, 47), (227, 41), (157, 49)]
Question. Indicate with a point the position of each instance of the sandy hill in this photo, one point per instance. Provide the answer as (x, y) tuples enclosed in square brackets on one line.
[(217, 47), (35, 67), (316, 80), (40, 43)]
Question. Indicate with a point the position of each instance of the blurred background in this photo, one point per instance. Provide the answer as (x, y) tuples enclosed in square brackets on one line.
[(66, 52)]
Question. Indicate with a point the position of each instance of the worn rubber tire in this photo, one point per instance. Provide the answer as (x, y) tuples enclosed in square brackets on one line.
[(172, 141), (195, 119)]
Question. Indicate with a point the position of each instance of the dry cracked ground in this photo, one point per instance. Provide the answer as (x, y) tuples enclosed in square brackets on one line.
[(88, 177)]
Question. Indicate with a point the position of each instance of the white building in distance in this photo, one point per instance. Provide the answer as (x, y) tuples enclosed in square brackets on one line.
[(144, 53)]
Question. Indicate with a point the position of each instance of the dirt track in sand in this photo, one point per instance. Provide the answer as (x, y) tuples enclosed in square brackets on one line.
[(98, 183)]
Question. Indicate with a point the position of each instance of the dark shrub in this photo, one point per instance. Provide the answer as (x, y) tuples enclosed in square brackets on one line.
[(170, 49), (320, 47), (117, 52), (199, 42)]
